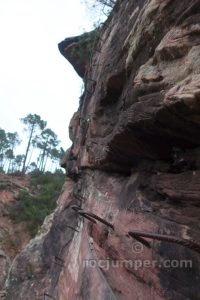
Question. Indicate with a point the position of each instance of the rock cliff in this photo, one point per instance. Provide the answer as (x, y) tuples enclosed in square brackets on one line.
[(127, 223), (13, 236)]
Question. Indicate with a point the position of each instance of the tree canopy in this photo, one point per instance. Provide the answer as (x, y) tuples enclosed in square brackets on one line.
[(42, 144), (98, 9)]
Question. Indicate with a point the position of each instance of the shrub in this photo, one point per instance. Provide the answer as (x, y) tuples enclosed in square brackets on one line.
[(32, 208)]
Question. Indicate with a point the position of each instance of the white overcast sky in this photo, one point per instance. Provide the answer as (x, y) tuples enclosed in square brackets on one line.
[(34, 76)]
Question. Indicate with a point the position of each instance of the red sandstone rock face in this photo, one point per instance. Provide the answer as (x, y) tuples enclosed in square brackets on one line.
[(13, 236), (134, 162)]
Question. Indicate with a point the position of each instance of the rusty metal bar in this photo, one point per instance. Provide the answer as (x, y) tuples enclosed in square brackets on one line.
[(140, 239), (100, 220), (58, 264), (59, 261), (167, 238), (90, 216), (76, 208), (65, 245), (76, 196), (72, 228), (85, 215)]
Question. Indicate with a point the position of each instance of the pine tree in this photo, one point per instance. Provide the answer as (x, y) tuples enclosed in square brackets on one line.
[(33, 123), (48, 141)]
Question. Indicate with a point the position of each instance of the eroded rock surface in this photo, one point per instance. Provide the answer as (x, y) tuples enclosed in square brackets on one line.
[(13, 236), (134, 162)]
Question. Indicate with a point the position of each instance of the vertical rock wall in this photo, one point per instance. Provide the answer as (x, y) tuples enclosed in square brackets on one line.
[(133, 166)]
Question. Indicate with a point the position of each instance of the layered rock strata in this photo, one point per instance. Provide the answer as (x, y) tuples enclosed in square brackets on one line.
[(134, 162)]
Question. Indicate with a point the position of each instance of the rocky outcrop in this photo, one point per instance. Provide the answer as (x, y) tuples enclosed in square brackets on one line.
[(78, 49), (13, 236), (127, 223)]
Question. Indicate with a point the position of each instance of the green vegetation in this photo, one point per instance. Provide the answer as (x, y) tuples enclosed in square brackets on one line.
[(3, 185), (35, 203), (86, 44), (41, 141), (88, 40), (33, 206)]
